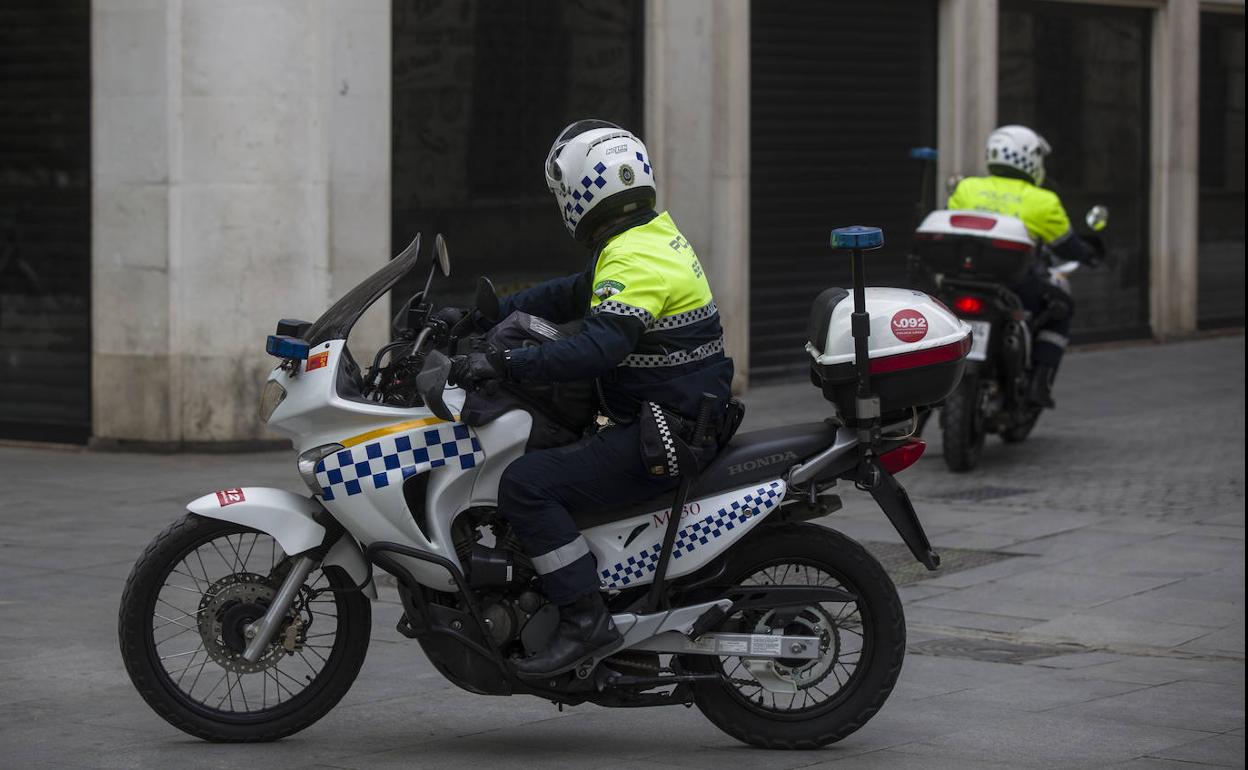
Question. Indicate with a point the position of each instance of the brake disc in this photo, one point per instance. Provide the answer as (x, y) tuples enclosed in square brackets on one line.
[(226, 609), (789, 676)]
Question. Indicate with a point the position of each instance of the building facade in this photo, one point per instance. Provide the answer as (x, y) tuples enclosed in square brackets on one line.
[(178, 175)]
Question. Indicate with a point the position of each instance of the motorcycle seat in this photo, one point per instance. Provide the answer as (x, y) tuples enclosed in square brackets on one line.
[(749, 458)]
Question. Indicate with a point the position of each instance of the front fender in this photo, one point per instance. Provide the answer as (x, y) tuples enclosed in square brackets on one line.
[(288, 519)]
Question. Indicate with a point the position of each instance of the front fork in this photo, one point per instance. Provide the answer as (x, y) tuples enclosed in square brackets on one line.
[(260, 633)]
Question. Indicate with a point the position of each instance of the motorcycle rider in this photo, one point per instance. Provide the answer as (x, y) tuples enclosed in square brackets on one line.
[(651, 333), (1015, 156)]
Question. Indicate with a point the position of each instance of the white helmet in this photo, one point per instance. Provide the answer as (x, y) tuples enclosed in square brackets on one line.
[(597, 170), (1019, 148)]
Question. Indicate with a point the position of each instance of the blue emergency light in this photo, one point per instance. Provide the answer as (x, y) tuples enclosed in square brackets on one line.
[(857, 237), (924, 153), (283, 346)]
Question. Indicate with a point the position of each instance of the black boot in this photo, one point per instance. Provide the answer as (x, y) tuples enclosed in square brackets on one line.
[(1040, 389), (585, 628)]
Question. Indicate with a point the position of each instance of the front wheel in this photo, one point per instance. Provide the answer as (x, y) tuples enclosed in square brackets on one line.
[(962, 426), (805, 704), (184, 612)]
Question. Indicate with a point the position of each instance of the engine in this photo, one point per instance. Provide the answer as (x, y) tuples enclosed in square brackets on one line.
[(503, 581)]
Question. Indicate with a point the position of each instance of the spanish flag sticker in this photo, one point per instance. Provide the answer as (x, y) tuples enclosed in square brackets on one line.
[(317, 361)]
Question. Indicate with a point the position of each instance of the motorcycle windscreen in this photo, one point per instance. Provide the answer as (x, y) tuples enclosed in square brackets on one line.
[(336, 322)]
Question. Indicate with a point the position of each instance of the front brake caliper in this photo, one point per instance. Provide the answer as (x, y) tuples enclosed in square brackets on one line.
[(290, 637)]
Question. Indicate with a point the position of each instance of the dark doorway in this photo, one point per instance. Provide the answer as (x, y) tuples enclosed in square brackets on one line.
[(839, 94), (1220, 294), (1079, 74), (45, 225), (481, 88)]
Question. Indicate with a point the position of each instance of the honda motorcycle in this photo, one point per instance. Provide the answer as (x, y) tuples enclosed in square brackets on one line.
[(968, 259), (248, 618)]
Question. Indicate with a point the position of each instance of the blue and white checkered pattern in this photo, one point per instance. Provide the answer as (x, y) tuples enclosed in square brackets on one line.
[(586, 193), (697, 534), (390, 459), (645, 164)]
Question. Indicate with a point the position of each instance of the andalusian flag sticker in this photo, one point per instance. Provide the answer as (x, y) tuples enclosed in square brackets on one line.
[(605, 289)]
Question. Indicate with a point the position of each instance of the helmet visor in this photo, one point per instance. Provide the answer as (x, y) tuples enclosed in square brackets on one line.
[(554, 175)]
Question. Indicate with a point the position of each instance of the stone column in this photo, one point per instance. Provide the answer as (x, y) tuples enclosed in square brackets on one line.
[(967, 86), (218, 128), (1175, 195), (697, 100), (132, 50)]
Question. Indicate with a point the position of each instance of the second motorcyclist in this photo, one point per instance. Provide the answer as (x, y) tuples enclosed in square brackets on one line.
[(651, 333), (1015, 157)]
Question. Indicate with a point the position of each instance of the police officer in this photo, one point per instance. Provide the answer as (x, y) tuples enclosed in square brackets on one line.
[(651, 332), (1015, 156)]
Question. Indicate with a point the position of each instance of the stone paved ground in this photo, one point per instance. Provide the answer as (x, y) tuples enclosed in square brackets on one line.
[(1108, 629)]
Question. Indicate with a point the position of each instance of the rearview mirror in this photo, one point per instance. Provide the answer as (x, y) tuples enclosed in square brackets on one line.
[(431, 382), (1097, 218), (952, 182), (487, 300), (439, 251)]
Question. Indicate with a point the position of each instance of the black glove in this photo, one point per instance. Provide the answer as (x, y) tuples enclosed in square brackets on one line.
[(473, 368), (449, 315), (1097, 247)]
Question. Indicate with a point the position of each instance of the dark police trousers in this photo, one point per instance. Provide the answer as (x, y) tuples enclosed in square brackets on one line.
[(1052, 338), (540, 492)]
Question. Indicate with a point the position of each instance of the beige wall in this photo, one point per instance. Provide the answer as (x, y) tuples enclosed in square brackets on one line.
[(966, 82), (240, 173), (697, 102), (1175, 131)]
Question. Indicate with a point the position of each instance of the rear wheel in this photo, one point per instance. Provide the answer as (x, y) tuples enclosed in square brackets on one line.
[(805, 704), (962, 427), (182, 627)]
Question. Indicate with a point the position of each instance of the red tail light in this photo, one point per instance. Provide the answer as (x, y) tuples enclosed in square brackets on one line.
[(926, 357), (972, 222), (897, 460), (969, 305), (997, 243)]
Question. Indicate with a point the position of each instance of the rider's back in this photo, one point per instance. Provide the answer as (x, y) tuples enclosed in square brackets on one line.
[(1040, 209), (652, 272)]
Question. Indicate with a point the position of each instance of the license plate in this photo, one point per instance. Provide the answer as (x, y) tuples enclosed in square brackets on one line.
[(980, 332)]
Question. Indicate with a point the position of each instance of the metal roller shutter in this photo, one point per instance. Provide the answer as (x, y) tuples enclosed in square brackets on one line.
[(1220, 284), (480, 90), (45, 225), (1079, 74), (840, 93)]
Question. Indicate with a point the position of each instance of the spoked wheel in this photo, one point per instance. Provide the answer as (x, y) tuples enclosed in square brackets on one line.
[(184, 614), (803, 704)]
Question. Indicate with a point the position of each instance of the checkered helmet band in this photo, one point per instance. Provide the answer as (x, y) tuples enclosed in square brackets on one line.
[(1019, 148)]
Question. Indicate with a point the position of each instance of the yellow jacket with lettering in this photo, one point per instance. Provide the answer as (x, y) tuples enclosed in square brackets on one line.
[(1040, 209), (651, 329)]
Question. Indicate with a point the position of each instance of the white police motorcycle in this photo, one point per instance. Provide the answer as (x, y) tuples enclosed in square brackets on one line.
[(249, 618), (969, 259)]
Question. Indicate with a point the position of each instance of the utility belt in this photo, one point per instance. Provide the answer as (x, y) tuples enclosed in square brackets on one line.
[(660, 429)]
